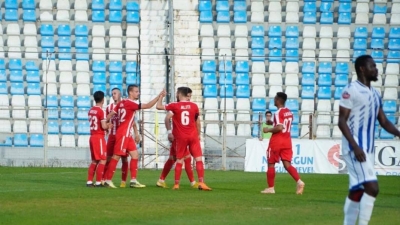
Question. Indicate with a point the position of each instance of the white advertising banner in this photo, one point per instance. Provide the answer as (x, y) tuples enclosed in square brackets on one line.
[(322, 156)]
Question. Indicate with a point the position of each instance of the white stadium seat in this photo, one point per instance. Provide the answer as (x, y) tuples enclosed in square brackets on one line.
[(223, 31), (273, 90), (258, 91), (206, 30)]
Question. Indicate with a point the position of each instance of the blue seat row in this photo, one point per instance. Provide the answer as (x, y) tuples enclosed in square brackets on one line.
[(21, 140), (210, 91), (68, 127), (241, 78), (240, 67)]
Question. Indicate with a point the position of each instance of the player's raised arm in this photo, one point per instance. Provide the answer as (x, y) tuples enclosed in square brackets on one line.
[(159, 105), (167, 120), (386, 124), (154, 101)]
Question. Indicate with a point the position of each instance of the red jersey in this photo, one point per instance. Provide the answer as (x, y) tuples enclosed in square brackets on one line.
[(184, 119), (96, 115), (114, 120), (283, 117), (125, 110)]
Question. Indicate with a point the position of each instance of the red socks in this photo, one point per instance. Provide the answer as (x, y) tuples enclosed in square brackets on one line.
[(188, 168), (111, 169), (178, 171), (200, 170), (293, 172), (134, 165), (99, 172), (91, 170), (271, 176), (124, 170), (167, 167)]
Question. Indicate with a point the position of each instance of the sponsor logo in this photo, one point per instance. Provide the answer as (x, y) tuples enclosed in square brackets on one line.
[(346, 95), (335, 159)]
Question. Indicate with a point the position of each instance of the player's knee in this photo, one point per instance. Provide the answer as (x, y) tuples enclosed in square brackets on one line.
[(198, 159)]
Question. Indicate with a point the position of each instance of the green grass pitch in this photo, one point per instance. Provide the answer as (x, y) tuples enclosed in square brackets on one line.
[(59, 196)]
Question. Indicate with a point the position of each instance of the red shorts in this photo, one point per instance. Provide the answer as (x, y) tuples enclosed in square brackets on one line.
[(98, 147), (172, 150), (124, 145), (182, 144), (276, 154), (111, 144)]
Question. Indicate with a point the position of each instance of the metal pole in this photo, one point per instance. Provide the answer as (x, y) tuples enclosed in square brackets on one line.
[(46, 112), (167, 74), (224, 123), (171, 48)]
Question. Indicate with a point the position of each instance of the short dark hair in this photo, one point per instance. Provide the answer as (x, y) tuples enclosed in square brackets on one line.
[(361, 61), (282, 96), (98, 96), (131, 87), (184, 91), (115, 89), (268, 112)]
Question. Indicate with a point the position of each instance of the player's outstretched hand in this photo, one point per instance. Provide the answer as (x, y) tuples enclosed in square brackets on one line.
[(359, 154), (170, 137), (163, 93)]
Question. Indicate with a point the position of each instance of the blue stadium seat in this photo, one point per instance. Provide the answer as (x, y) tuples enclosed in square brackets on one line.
[(64, 54), (68, 127), (380, 9), (341, 80), (358, 53), (15, 64), (17, 88), (115, 67), (52, 127), (292, 55), (33, 89), (119, 86), (377, 56), (344, 19), (325, 7), (47, 53), (208, 66), (82, 54), (3, 76), (242, 78), (31, 65), (100, 16), (115, 78), (307, 92), (98, 5), (205, 6), (81, 30), (310, 7), (239, 6), (294, 131), (132, 78), (325, 67), (209, 78), (292, 43), (360, 44), (82, 114), (275, 43), (132, 6), (67, 101), (46, 30), (258, 54), (308, 67), (11, 15), (210, 91), (255, 131), (222, 5), (275, 55), (257, 42), (257, 31), (344, 7), (36, 140), (259, 104), (225, 66), (115, 16), (83, 102), (99, 87), (393, 56), (131, 67), (20, 140), (228, 80), (361, 32), (223, 17), (51, 100), (16, 76), (132, 17), (377, 43), (98, 66), (324, 79), (2, 64), (63, 30), (292, 31), (394, 44), (308, 79), (310, 18), (81, 42), (115, 5), (29, 15), (338, 92), (296, 119), (242, 91), (342, 68), (28, 4), (67, 114), (52, 113), (326, 18), (255, 117), (240, 17), (292, 105), (389, 106), (47, 42), (394, 32), (271, 105), (385, 135), (242, 67), (324, 92), (275, 31), (206, 16), (378, 32), (226, 91), (64, 42), (3, 88)]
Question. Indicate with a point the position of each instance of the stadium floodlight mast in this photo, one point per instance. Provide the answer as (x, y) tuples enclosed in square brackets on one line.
[(46, 111), (224, 122)]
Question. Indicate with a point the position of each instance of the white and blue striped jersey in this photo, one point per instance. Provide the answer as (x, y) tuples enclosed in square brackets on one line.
[(364, 103)]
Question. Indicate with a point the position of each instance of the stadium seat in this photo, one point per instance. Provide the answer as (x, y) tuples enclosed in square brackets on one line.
[(67, 114), (392, 68), (385, 135), (360, 44), (242, 91), (81, 31), (33, 89), (326, 18), (209, 78), (292, 105), (17, 89), (324, 92), (210, 91), (115, 5), (393, 57), (275, 55), (377, 56), (275, 31), (115, 78), (132, 6), (275, 43), (98, 66), (378, 32), (206, 16), (257, 31), (205, 6), (324, 79), (52, 127), (309, 18), (16, 76), (209, 66), (36, 126), (307, 92), (3, 76), (115, 16), (222, 5), (294, 131), (377, 43), (390, 94), (357, 53), (46, 30), (259, 104), (394, 44), (67, 101), (361, 33), (29, 15), (292, 43), (20, 140), (394, 32), (338, 92), (341, 80), (64, 42), (226, 91), (391, 81), (308, 79), (15, 64), (223, 17), (36, 140), (28, 4), (11, 15), (99, 16), (242, 79), (132, 78), (53, 140), (63, 30), (68, 127), (225, 66), (325, 67), (389, 106), (257, 42), (98, 5), (240, 16), (82, 113), (131, 67), (344, 18), (225, 80), (3, 88), (83, 127), (81, 42)]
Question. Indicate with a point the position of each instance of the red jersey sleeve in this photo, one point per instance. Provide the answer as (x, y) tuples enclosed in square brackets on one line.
[(132, 105), (170, 107), (279, 118)]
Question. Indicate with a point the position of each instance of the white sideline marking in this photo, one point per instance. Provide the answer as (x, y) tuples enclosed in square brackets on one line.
[(31, 190), (14, 174)]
